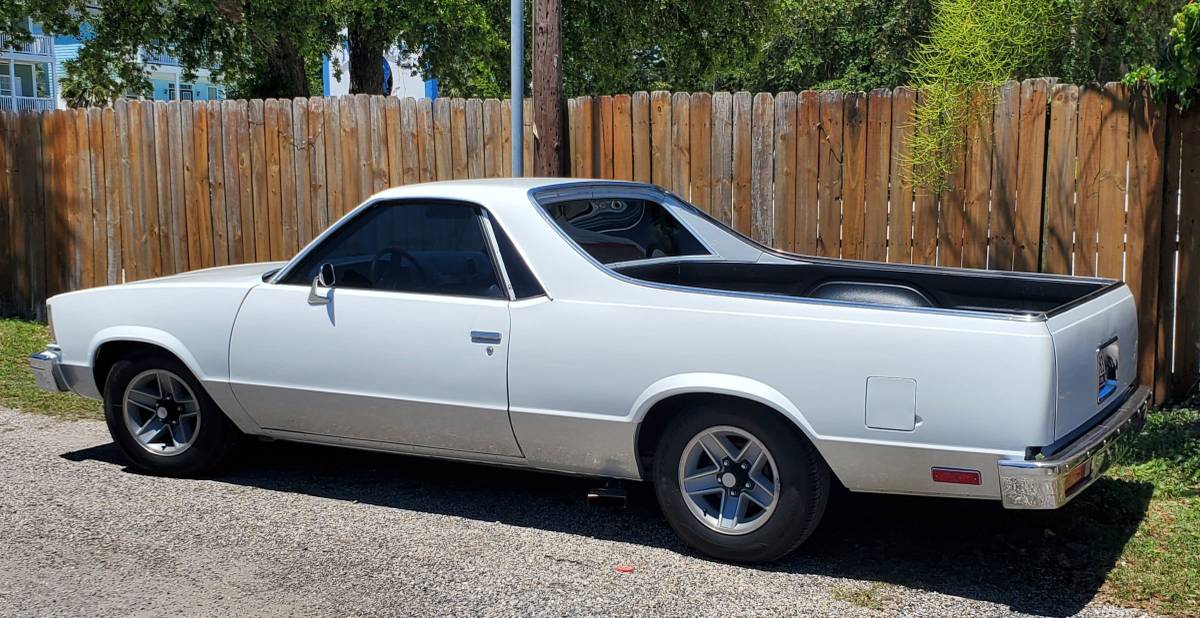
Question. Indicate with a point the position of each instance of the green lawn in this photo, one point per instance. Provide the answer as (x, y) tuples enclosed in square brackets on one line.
[(1158, 569)]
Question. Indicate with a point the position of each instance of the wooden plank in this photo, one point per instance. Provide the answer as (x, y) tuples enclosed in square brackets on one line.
[(112, 196), (1031, 153), (1165, 340), (1114, 157), (392, 141), (287, 181), (334, 178), (642, 152), (505, 170), (700, 192), (428, 156), (493, 140), (351, 166), (410, 171), (22, 169), (1142, 260), (237, 127), (660, 138), (854, 172), (178, 207), (1058, 226), (162, 186), (681, 148), (808, 154), (201, 223), (7, 210), (258, 156), (622, 139), (829, 176), (379, 163), (216, 183), (302, 191), (604, 137), (1087, 199), (85, 277), (318, 176), (587, 138), (783, 206), (474, 128), (978, 184), (30, 236), (875, 191), (129, 142), (528, 146), (574, 156), (363, 145), (721, 159), (743, 162), (458, 139), (762, 132), (900, 220), (271, 144), (1187, 315), (99, 214), (1006, 123), (49, 192), (145, 171), (187, 182)]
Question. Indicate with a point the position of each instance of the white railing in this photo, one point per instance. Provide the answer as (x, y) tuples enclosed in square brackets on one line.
[(25, 104), (41, 45), (159, 59)]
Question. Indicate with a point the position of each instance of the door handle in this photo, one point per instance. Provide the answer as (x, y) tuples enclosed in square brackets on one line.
[(484, 336)]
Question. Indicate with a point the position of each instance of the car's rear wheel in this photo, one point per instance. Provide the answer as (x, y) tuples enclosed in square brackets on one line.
[(738, 483), (162, 419)]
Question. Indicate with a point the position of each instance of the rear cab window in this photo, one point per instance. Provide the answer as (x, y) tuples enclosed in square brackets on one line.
[(614, 230)]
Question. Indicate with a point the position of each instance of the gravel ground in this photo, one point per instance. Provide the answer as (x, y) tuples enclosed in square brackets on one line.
[(305, 530)]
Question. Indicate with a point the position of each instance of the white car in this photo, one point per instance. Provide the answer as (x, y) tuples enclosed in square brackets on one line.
[(609, 329)]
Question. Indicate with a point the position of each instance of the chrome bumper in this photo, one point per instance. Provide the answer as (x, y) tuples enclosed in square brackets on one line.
[(1051, 483), (46, 370)]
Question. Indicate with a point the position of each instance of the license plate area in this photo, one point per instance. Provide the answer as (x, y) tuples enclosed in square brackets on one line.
[(1108, 357)]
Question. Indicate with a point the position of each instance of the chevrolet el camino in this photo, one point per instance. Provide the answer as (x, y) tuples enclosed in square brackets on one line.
[(610, 329)]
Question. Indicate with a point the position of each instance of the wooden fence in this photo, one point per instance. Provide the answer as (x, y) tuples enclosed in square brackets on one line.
[(1083, 180)]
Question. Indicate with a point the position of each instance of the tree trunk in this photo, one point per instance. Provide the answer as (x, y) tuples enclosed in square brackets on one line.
[(548, 147), (367, 47), (286, 76)]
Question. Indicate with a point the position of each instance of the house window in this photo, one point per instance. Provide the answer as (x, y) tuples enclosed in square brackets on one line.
[(185, 92), (212, 93), (6, 86)]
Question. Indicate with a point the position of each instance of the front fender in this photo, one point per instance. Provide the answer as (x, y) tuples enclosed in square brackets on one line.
[(145, 334)]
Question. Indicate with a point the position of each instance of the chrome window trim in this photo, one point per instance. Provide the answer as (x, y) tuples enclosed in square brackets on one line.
[(485, 225), (562, 192)]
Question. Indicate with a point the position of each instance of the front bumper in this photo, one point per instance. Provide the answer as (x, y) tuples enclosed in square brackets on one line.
[(1051, 483), (47, 370)]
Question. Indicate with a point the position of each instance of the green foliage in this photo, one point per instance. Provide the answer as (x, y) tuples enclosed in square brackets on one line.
[(973, 47), (1181, 73), (1103, 38)]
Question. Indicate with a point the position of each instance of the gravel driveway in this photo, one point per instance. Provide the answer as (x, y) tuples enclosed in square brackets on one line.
[(309, 530)]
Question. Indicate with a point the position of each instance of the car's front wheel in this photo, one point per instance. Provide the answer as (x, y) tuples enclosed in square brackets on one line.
[(739, 484), (162, 419)]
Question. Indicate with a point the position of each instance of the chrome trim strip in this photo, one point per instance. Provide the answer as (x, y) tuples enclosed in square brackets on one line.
[(1042, 484), (485, 224), (564, 190)]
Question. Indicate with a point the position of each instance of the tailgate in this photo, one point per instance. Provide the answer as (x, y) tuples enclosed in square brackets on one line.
[(1095, 348)]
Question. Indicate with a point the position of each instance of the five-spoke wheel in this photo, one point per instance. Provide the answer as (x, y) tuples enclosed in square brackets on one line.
[(729, 478), (161, 412)]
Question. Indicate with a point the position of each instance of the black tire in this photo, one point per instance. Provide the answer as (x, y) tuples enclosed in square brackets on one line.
[(216, 438), (801, 497)]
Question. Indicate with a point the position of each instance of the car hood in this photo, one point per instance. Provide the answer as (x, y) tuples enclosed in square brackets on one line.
[(240, 273)]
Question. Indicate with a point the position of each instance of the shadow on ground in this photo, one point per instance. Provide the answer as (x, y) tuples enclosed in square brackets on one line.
[(1049, 563)]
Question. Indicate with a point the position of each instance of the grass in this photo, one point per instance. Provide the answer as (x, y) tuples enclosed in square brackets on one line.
[(1158, 567), (19, 339)]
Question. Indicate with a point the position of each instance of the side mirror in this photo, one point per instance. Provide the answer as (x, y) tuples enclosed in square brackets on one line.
[(326, 276), (324, 280)]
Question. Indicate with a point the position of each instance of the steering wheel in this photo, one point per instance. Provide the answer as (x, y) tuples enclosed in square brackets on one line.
[(398, 254)]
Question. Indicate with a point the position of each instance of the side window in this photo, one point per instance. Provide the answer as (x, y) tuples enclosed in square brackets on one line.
[(408, 247), (622, 230), (525, 285)]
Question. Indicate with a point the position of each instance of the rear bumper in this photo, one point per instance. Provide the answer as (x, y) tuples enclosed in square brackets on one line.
[(47, 370), (1051, 483)]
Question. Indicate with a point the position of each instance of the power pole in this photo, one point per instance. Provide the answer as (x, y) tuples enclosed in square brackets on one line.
[(517, 82), (548, 146)]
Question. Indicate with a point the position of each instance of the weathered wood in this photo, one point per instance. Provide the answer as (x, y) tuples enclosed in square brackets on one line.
[(575, 156), (547, 113), (1006, 123), (1168, 302), (493, 149), (318, 184), (783, 212), (1187, 316), (129, 189), (642, 151), (275, 223), (287, 182), (427, 155), (808, 154), (200, 214), (351, 167), (1142, 259), (238, 119), (363, 145), (829, 176), (622, 136), (7, 211), (474, 134), (721, 158), (604, 137), (952, 218), (660, 138), (1087, 199), (216, 183), (900, 221), (332, 123), (443, 148), (458, 139), (1057, 241), (231, 175), (178, 216), (700, 140), (681, 149), (878, 155), (1031, 166), (302, 190), (854, 171), (742, 163), (410, 166), (1114, 157), (378, 153), (762, 132), (85, 190), (978, 184), (505, 126), (587, 138)]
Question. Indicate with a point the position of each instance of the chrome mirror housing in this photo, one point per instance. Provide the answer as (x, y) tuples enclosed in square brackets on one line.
[(325, 280)]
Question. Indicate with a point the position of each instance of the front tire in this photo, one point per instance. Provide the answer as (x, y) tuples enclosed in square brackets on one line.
[(739, 484), (162, 419)]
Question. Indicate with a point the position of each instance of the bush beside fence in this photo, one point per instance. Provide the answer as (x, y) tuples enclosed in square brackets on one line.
[(1093, 180)]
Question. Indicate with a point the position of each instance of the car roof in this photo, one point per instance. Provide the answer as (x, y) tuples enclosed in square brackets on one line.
[(463, 189)]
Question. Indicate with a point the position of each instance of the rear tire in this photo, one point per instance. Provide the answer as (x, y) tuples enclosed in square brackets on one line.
[(742, 505), (162, 418)]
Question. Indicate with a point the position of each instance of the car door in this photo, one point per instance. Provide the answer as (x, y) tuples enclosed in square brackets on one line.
[(409, 345)]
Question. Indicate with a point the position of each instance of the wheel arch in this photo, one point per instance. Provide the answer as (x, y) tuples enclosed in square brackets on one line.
[(112, 344), (668, 397)]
